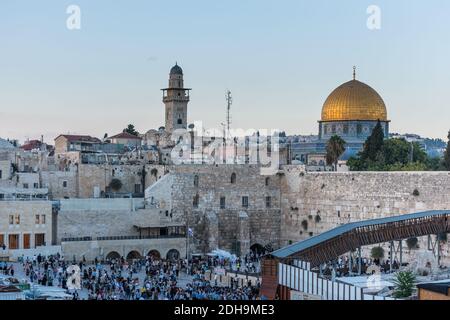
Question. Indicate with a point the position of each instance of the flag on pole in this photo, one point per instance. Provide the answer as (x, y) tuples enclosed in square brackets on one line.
[(191, 232)]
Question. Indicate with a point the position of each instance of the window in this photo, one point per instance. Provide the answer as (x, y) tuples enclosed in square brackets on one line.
[(196, 181), (245, 202), (13, 241), (0, 174), (25, 185), (233, 178), (267, 181), (11, 220), (39, 240), (195, 201), (180, 121), (26, 241), (37, 220), (36, 185), (345, 128), (43, 219), (64, 184), (137, 188), (222, 202), (18, 219), (2, 240), (358, 129), (268, 202)]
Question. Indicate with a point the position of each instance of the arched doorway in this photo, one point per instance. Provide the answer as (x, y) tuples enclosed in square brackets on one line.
[(113, 255), (257, 248), (173, 254), (154, 254), (133, 255)]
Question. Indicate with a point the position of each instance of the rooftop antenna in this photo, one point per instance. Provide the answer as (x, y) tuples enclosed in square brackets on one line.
[(229, 103), (354, 72)]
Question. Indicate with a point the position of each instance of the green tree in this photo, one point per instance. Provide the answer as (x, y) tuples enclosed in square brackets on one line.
[(373, 144), (377, 253), (412, 243), (131, 130), (335, 149), (404, 282), (447, 154), (394, 155)]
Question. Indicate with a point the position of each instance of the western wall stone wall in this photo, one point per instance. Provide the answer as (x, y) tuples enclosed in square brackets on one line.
[(221, 225), (339, 198)]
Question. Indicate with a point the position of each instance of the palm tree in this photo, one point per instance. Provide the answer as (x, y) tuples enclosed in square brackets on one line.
[(335, 149)]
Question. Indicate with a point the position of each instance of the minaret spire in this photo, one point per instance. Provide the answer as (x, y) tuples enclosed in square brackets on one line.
[(354, 72)]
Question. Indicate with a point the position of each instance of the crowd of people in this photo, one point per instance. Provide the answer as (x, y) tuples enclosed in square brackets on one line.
[(344, 268), (149, 278)]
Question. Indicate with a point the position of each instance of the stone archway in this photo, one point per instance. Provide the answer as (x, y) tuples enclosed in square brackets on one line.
[(113, 255), (134, 255), (257, 248), (173, 254), (154, 254)]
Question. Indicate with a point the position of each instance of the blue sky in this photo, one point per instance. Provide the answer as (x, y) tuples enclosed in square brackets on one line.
[(279, 58)]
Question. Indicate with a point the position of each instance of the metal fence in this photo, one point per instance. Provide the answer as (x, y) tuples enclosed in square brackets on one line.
[(305, 281), (76, 239)]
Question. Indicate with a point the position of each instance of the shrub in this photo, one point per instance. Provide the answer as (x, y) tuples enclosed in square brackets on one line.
[(405, 282), (318, 219), (377, 253), (416, 193), (115, 184), (305, 224), (412, 243), (310, 217)]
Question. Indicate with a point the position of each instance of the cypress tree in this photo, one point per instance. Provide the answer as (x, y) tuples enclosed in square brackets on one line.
[(447, 154), (373, 144)]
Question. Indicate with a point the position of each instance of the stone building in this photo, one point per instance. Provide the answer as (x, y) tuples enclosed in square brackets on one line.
[(25, 224), (68, 142), (111, 228), (126, 139)]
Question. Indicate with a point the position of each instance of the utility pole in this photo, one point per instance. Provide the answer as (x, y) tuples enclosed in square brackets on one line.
[(229, 99)]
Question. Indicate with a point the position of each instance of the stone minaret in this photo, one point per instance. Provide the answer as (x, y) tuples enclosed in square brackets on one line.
[(176, 99)]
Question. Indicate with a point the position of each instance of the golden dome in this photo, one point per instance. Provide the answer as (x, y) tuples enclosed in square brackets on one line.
[(354, 100)]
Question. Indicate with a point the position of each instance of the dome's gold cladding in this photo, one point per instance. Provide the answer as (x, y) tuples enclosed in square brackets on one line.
[(354, 100)]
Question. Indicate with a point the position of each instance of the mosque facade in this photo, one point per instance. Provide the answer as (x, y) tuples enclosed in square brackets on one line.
[(351, 111)]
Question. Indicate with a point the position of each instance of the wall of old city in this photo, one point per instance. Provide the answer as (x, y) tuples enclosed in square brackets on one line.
[(99, 217), (209, 220), (98, 177), (339, 198)]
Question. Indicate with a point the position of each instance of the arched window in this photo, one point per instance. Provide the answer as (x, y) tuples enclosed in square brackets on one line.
[(233, 178), (196, 181)]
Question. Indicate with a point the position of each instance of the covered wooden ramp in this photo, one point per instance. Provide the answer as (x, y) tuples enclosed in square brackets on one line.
[(329, 246)]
